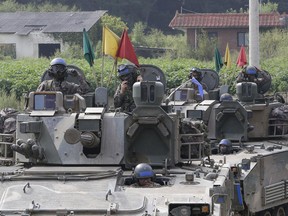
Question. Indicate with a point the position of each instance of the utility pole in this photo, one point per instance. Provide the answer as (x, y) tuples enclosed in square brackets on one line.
[(254, 33)]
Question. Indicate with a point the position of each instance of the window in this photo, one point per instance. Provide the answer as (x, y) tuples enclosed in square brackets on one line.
[(44, 102), (242, 39), (35, 27), (48, 50), (8, 50), (212, 35)]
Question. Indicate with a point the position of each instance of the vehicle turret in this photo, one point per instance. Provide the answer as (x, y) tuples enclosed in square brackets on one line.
[(160, 159)]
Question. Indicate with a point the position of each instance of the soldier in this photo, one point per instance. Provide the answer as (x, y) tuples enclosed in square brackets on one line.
[(197, 74), (226, 97), (249, 74), (59, 71), (123, 99), (200, 89), (195, 82), (144, 175), (225, 146)]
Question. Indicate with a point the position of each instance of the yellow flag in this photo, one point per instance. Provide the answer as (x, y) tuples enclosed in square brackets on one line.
[(110, 42), (227, 57)]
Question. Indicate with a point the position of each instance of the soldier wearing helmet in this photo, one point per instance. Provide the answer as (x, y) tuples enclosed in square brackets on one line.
[(225, 146), (226, 97), (128, 75), (249, 74), (58, 71), (196, 73), (195, 77), (144, 176)]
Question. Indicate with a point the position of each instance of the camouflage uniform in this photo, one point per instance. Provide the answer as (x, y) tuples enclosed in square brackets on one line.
[(124, 101), (243, 77), (189, 84), (64, 86), (149, 184), (123, 97)]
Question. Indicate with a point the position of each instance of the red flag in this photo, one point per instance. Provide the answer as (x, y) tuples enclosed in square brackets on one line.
[(242, 60), (126, 49)]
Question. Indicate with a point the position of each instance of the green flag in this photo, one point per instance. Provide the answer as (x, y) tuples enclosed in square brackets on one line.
[(87, 49), (218, 60)]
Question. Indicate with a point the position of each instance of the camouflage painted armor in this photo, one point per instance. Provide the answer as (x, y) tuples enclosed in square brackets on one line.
[(124, 101)]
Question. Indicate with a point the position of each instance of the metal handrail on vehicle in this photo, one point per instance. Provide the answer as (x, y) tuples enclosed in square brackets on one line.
[(278, 127), (5, 158)]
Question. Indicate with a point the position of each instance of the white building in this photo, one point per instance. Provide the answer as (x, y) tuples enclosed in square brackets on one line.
[(30, 34)]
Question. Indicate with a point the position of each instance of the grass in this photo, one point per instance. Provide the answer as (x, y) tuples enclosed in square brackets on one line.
[(10, 101)]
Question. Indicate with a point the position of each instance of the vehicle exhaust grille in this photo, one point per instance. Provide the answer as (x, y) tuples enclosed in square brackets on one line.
[(275, 192)]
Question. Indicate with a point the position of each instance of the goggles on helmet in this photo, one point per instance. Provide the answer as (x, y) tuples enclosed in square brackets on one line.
[(145, 174), (251, 70), (123, 70), (58, 68), (125, 78)]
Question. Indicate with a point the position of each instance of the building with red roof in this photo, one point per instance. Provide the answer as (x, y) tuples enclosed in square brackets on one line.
[(231, 28)]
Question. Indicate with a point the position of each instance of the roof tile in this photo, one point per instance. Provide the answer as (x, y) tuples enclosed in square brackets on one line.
[(223, 20)]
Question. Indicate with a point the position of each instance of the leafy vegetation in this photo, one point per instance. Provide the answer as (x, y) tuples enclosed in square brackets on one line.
[(264, 8), (10, 101), (268, 7), (21, 76), (13, 6)]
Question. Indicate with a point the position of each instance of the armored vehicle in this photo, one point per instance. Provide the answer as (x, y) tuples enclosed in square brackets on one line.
[(76, 156)]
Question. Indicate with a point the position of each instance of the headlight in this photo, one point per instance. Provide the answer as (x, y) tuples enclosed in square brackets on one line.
[(187, 209)]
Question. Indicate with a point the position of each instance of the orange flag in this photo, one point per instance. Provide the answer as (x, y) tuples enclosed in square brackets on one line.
[(126, 49)]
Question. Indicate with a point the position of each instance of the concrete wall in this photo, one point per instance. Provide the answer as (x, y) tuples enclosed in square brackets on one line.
[(27, 45)]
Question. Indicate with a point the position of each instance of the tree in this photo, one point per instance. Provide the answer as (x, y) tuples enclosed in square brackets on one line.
[(205, 47), (268, 7), (114, 23), (138, 36), (13, 6), (10, 6)]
